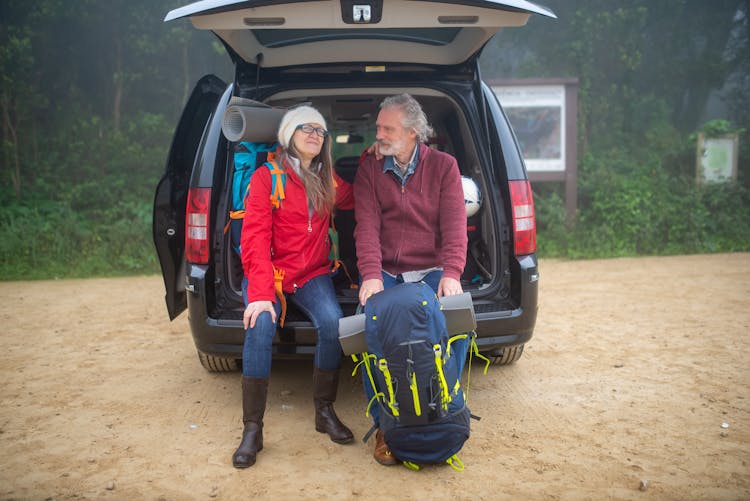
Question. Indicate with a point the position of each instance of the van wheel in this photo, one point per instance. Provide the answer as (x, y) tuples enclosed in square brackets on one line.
[(218, 364), (507, 355)]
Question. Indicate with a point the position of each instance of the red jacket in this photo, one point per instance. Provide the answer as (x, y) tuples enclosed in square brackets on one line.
[(286, 238), (418, 227)]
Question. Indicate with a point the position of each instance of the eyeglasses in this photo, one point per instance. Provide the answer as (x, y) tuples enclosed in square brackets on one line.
[(309, 129)]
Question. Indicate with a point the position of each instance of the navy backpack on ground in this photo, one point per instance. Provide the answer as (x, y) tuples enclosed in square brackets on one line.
[(415, 377)]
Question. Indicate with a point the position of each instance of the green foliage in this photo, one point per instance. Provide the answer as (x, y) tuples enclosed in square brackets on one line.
[(90, 212), (628, 208), (90, 92), (718, 128), (50, 239), (646, 71)]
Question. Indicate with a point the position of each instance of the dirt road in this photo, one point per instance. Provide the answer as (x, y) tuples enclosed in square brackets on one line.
[(635, 386)]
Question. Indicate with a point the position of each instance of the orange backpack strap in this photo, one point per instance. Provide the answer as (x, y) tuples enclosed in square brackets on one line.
[(278, 183), (278, 280), (333, 256)]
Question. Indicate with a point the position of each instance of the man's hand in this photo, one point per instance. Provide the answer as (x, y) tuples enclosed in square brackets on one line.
[(449, 287), (368, 288), (253, 311)]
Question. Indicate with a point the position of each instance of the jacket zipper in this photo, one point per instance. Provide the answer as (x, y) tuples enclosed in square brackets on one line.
[(403, 217)]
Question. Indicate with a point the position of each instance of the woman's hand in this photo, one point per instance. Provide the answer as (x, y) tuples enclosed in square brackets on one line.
[(374, 149), (253, 311)]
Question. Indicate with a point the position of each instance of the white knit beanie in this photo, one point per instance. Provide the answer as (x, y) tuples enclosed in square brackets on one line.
[(297, 116)]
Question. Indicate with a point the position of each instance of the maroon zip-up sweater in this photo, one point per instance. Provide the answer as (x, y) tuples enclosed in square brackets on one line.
[(415, 227)]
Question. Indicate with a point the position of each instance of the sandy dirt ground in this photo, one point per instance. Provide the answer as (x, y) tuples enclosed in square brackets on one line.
[(636, 385)]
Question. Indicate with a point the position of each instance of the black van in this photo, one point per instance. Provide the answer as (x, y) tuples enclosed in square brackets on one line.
[(344, 57)]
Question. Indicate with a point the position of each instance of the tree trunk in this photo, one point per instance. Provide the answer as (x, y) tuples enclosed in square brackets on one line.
[(118, 87), (10, 137)]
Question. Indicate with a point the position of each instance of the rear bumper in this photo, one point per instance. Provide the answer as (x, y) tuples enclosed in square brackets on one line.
[(500, 328), (212, 336), (224, 337)]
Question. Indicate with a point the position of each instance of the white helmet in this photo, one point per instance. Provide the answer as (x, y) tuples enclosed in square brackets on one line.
[(472, 195)]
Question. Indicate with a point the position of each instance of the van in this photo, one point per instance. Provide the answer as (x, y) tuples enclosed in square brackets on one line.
[(344, 57)]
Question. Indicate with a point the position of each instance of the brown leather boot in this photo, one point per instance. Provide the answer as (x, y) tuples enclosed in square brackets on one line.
[(382, 453), (325, 387), (254, 393)]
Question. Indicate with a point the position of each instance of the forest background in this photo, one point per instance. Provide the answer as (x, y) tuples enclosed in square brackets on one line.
[(91, 91)]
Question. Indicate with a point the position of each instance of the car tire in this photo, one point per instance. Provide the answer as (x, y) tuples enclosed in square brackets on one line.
[(507, 355), (218, 364)]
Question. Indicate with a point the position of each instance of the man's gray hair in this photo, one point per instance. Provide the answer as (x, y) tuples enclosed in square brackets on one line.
[(414, 117)]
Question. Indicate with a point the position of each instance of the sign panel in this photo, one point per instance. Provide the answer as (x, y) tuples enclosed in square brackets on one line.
[(537, 115), (717, 159)]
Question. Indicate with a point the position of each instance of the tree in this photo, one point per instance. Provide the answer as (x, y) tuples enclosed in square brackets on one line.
[(637, 61), (87, 64), (18, 100)]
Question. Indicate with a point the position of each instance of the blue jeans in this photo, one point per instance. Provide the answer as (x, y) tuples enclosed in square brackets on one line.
[(459, 347), (317, 299)]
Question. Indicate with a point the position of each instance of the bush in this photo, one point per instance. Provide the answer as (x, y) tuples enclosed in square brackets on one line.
[(628, 208), (51, 240), (87, 207)]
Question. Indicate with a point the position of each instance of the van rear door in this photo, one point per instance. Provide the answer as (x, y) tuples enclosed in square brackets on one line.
[(171, 193), (291, 33)]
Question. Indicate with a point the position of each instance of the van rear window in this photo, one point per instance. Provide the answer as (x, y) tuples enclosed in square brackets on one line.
[(272, 38)]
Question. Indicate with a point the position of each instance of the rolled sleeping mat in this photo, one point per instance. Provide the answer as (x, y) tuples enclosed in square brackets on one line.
[(459, 318), (252, 123)]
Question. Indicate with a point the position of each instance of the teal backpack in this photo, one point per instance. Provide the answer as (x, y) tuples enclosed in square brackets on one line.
[(247, 158)]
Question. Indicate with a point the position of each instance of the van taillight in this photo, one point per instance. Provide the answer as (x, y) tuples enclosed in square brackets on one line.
[(196, 225), (524, 222)]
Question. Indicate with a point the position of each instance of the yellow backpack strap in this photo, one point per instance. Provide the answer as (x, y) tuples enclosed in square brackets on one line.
[(368, 367), (383, 366), (451, 340), (278, 280), (364, 361), (415, 394), (445, 394), (474, 350), (455, 463), (448, 354)]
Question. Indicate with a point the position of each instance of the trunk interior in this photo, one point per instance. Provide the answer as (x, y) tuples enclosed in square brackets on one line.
[(351, 121)]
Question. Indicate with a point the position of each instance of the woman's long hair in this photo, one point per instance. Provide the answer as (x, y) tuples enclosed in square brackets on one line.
[(319, 187)]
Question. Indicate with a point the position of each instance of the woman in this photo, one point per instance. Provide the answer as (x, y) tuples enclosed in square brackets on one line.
[(285, 255)]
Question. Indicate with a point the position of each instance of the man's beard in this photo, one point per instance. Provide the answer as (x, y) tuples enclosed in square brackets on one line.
[(390, 149)]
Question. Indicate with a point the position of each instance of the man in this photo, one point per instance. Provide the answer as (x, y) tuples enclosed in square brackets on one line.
[(409, 208)]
